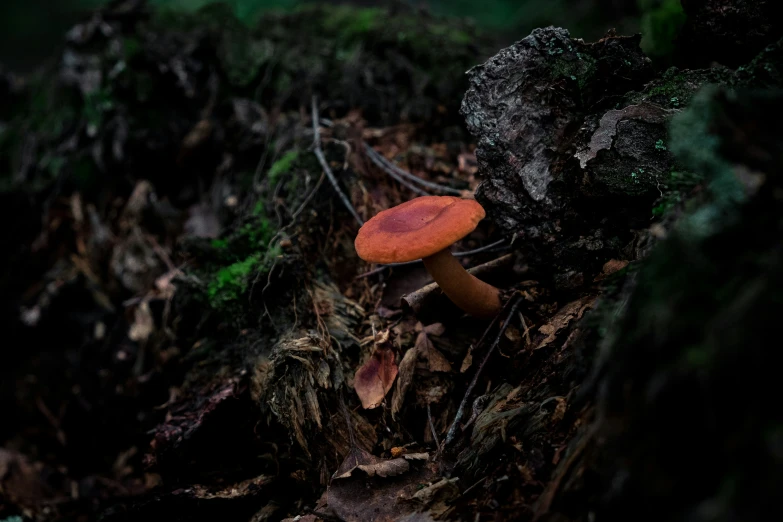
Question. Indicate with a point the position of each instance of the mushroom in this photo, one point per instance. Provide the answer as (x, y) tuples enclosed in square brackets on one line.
[(424, 228)]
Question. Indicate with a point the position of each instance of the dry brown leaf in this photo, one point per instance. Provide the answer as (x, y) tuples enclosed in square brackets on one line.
[(426, 350), (386, 468), (358, 458), (375, 378), (439, 496), (609, 268), (360, 497), (563, 318), (467, 362), (436, 329), (407, 369)]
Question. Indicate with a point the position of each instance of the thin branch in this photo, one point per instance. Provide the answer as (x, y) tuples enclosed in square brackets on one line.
[(322, 160), (375, 159), (390, 167), (466, 253), (432, 426), (480, 249), (461, 411), (307, 199)]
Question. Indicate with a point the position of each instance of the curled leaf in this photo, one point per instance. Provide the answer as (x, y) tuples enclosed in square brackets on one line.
[(375, 378), (358, 458)]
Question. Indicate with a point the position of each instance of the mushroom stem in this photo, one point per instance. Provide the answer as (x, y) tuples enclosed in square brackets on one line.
[(472, 295)]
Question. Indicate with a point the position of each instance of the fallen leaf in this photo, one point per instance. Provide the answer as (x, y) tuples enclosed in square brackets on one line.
[(467, 362), (375, 378), (563, 318), (436, 329), (407, 369), (426, 350), (358, 458), (386, 468), (609, 268), (361, 497), (438, 497)]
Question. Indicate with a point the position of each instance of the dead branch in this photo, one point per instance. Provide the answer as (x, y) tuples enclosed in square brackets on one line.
[(322, 160), (466, 253), (417, 300), (392, 169), (461, 411)]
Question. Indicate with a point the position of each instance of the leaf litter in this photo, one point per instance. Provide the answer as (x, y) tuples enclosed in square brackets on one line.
[(223, 307)]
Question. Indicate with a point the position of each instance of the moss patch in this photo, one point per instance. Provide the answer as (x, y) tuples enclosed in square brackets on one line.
[(231, 281), (281, 166)]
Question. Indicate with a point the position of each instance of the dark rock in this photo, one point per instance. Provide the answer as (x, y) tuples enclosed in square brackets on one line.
[(525, 105), (550, 152)]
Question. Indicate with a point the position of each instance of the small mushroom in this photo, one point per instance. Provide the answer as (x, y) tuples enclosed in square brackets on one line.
[(424, 228)]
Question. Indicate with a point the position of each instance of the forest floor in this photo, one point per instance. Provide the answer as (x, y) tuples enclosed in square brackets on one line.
[(190, 333)]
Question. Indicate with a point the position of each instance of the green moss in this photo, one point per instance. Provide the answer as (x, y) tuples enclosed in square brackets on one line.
[(670, 84), (219, 244), (281, 166), (675, 88), (231, 281), (659, 145), (258, 232), (666, 203), (451, 34), (350, 23)]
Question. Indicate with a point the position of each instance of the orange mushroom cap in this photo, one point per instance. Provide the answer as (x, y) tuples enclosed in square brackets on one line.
[(417, 229)]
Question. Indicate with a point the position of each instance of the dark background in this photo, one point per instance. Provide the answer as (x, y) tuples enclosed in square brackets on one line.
[(31, 30)]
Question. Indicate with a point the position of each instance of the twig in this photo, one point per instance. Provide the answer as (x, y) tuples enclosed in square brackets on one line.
[(374, 157), (390, 167), (322, 160), (307, 199), (527, 329), (466, 253), (418, 300), (432, 426), (405, 184), (280, 233), (461, 410)]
